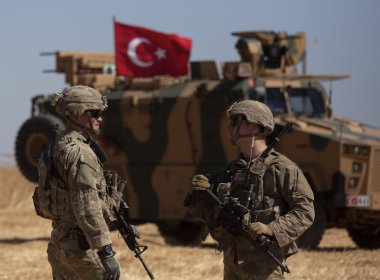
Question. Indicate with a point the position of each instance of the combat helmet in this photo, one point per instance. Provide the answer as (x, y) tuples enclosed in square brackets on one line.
[(254, 112), (74, 101)]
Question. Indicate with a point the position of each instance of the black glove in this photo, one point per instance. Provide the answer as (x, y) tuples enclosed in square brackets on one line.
[(112, 269)]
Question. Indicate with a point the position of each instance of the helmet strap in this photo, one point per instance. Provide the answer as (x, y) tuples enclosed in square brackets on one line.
[(250, 157), (252, 146), (238, 135)]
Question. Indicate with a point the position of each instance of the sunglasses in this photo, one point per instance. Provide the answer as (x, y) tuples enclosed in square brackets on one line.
[(235, 120), (95, 113)]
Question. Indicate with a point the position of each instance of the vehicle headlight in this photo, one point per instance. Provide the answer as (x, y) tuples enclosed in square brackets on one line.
[(357, 166), (353, 182)]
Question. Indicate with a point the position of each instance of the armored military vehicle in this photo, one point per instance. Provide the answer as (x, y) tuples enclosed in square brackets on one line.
[(158, 132)]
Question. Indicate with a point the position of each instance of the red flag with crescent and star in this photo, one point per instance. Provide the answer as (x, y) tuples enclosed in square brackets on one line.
[(142, 52)]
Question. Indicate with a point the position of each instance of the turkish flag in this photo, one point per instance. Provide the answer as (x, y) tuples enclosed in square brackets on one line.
[(141, 52)]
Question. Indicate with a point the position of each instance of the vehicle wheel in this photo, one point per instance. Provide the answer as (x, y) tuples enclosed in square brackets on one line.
[(32, 138), (364, 238), (184, 233), (313, 235)]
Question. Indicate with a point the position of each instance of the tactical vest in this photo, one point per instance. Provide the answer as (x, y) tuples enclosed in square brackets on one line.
[(246, 185)]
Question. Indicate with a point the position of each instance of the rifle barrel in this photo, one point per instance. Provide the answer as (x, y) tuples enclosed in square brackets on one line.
[(129, 235), (284, 267), (148, 271)]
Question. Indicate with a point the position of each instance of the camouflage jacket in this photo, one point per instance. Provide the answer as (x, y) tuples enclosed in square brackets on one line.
[(285, 204), (81, 191)]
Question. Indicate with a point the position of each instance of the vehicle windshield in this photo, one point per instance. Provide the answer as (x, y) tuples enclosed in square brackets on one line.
[(303, 101)]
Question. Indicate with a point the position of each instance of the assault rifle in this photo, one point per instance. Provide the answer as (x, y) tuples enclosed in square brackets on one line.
[(232, 213), (130, 232)]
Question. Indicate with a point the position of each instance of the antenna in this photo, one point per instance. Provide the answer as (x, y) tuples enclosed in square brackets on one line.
[(330, 92)]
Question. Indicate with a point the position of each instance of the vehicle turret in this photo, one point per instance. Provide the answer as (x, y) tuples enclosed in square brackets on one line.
[(271, 52)]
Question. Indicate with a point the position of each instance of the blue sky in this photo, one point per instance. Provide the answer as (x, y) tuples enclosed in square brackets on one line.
[(343, 38)]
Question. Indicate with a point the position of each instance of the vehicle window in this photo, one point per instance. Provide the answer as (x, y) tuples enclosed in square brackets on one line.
[(307, 102), (275, 101)]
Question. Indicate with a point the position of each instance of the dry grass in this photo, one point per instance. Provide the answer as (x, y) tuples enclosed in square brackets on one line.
[(23, 242)]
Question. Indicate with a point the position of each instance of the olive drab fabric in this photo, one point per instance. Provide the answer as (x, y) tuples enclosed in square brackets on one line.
[(284, 204), (74, 101), (255, 112)]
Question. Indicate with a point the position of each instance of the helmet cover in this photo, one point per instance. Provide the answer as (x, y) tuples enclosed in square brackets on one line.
[(75, 100), (254, 112)]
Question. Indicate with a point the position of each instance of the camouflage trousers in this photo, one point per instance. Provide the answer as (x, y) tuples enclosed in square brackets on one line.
[(256, 269), (68, 261)]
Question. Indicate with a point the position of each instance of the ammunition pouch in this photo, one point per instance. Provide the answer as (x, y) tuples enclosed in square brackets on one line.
[(112, 178), (265, 216), (115, 188)]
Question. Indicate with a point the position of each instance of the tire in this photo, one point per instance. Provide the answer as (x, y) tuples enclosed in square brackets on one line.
[(184, 233), (311, 238), (32, 138), (364, 238)]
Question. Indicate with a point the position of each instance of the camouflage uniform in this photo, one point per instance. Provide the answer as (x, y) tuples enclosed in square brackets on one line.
[(80, 204), (284, 202), (83, 213)]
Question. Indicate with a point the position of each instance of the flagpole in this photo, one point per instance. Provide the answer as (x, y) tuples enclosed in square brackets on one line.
[(114, 42)]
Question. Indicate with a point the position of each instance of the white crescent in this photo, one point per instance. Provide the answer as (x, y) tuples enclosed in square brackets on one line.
[(132, 52)]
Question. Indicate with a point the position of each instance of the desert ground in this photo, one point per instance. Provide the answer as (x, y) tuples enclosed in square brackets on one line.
[(24, 237)]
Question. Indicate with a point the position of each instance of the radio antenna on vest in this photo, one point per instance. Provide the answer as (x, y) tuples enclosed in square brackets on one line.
[(250, 156)]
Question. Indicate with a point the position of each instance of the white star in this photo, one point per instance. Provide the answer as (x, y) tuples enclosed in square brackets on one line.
[(160, 53)]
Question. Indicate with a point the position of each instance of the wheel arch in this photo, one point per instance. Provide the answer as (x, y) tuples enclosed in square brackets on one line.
[(31, 139)]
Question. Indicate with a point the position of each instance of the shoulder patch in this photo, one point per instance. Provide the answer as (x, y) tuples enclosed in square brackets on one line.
[(87, 171)]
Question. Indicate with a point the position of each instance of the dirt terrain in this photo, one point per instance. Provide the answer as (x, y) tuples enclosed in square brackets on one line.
[(24, 237)]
